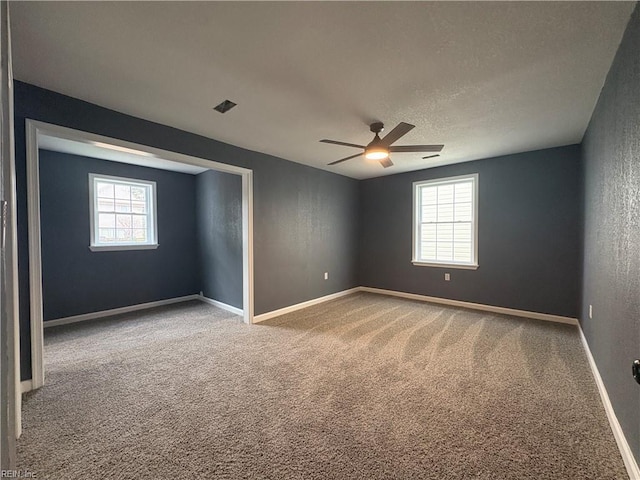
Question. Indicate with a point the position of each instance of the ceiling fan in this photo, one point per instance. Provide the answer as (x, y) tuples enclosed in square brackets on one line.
[(380, 148)]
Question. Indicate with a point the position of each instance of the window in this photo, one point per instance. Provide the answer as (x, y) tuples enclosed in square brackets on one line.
[(446, 222), (123, 213)]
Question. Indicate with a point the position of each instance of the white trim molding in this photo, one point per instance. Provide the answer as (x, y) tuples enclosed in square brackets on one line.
[(118, 248), (26, 386), (117, 311), (625, 450), (35, 256), (150, 214), (223, 306), (416, 259), (445, 265), (247, 246), (474, 306), (422, 298), (299, 306)]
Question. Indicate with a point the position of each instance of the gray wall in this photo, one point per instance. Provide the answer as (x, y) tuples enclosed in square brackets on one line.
[(219, 232), (305, 220), (611, 282), (528, 233), (77, 280), (309, 224)]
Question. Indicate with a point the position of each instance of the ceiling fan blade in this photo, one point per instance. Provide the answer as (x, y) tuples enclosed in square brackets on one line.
[(416, 148), (400, 131), (344, 159), (386, 163), (344, 144), (431, 156)]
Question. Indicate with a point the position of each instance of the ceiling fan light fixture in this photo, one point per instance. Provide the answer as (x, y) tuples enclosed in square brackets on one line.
[(379, 149), (376, 153), (376, 150)]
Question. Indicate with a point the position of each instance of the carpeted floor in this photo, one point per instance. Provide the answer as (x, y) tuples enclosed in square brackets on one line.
[(362, 387)]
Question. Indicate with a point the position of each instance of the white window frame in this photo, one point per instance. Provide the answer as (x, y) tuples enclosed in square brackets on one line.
[(473, 265), (152, 218)]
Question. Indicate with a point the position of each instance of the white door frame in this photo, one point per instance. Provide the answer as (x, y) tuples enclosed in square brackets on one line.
[(35, 130), (10, 395)]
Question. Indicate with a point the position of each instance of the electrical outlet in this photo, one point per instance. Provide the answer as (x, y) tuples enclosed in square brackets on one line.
[(590, 311), (326, 275), (447, 277)]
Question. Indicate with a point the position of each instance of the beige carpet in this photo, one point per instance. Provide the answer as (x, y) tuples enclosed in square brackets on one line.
[(363, 387)]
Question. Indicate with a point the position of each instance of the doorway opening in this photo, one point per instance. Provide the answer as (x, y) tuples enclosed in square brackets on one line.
[(43, 135)]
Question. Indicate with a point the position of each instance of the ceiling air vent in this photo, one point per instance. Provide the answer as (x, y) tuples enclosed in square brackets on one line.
[(224, 106)]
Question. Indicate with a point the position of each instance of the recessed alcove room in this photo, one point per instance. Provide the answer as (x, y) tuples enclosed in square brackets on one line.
[(359, 240)]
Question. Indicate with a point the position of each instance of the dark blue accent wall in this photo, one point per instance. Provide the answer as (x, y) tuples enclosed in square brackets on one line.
[(611, 279), (528, 234), (219, 233), (305, 219), (77, 280)]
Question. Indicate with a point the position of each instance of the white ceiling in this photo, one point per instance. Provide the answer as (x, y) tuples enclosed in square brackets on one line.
[(483, 78), (114, 153)]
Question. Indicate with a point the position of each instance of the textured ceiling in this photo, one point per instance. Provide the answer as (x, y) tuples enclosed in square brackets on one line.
[(483, 78), (114, 154)]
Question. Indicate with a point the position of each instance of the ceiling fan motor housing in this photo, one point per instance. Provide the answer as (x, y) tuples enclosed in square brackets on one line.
[(376, 127), (375, 142)]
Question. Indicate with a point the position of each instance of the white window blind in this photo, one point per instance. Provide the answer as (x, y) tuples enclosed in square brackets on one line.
[(123, 213), (445, 221)]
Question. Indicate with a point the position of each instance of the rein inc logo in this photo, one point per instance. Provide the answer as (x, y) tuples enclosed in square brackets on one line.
[(17, 474)]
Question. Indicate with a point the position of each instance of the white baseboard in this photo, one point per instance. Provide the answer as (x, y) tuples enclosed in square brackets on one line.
[(298, 306), (224, 306), (423, 298), (116, 311), (625, 450), (474, 306), (26, 386)]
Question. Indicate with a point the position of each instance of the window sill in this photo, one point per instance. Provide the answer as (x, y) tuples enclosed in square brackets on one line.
[(116, 248), (445, 265)]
